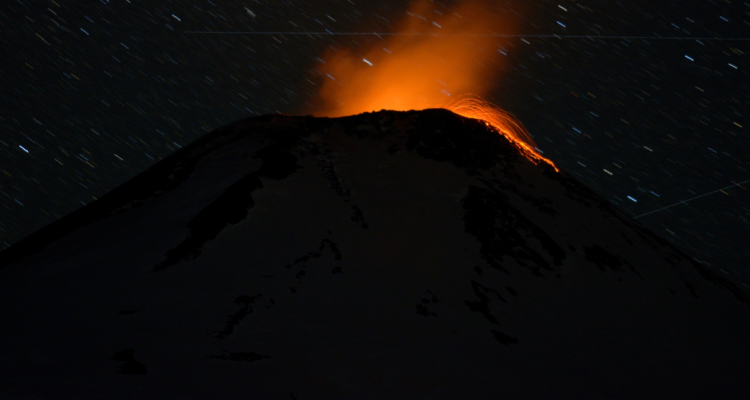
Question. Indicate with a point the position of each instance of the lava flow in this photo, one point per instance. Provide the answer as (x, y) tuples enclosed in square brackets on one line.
[(503, 122), (435, 56)]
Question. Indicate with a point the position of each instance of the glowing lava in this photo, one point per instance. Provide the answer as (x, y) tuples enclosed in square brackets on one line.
[(434, 55), (503, 122)]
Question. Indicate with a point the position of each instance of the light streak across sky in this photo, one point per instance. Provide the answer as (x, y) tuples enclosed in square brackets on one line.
[(691, 199), (328, 33)]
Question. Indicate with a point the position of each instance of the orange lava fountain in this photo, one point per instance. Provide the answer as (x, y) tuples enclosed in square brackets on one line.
[(434, 54), (503, 122)]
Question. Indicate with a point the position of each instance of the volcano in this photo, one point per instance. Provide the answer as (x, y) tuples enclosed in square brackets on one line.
[(387, 255)]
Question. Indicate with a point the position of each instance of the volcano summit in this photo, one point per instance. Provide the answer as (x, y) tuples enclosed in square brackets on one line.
[(388, 255)]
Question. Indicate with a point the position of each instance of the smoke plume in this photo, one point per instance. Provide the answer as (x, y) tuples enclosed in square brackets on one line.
[(433, 56)]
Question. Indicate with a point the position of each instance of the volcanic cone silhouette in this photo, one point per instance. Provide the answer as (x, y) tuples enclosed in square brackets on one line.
[(388, 255)]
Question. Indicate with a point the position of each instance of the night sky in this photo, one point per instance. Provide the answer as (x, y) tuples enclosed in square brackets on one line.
[(637, 99)]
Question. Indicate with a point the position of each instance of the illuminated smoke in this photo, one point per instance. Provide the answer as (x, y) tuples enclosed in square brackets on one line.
[(433, 58)]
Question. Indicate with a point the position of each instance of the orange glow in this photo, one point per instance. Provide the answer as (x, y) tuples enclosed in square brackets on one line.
[(434, 56), (501, 121)]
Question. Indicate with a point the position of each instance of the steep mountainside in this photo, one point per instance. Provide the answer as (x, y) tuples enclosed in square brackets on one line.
[(385, 255)]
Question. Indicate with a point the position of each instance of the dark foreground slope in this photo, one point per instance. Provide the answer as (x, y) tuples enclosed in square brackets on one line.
[(389, 255)]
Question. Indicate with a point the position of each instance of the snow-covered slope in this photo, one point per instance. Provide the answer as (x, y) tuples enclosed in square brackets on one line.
[(388, 255)]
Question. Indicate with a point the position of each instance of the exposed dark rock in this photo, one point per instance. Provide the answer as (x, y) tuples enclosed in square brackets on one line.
[(130, 365), (503, 338), (230, 208), (242, 357), (237, 317), (602, 258), (504, 232)]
